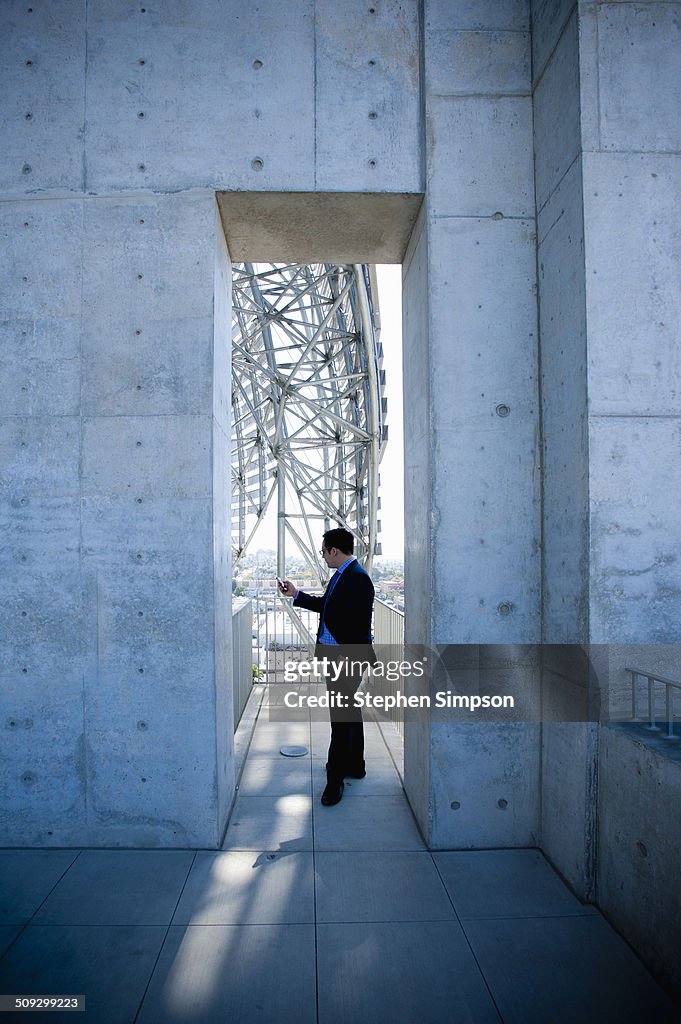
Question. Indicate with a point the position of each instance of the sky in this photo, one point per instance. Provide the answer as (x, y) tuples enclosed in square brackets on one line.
[(391, 515)]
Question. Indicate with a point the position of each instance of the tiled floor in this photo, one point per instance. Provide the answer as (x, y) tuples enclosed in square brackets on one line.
[(314, 914)]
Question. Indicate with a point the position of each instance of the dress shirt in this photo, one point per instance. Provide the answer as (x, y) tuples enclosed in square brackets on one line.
[(325, 637)]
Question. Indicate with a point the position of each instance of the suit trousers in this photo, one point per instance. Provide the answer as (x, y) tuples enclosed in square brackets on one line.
[(346, 749)]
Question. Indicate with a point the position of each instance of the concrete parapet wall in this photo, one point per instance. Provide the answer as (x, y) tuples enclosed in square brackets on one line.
[(639, 843)]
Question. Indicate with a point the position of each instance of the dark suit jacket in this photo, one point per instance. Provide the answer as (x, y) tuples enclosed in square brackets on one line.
[(347, 614)]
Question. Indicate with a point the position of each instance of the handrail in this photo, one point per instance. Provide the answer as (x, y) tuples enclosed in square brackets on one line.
[(669, 684)]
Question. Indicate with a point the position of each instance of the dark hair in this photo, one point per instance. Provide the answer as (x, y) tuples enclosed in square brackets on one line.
[(341, 539)]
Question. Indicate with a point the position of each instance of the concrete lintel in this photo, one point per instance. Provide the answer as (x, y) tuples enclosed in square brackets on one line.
[(316, 227)]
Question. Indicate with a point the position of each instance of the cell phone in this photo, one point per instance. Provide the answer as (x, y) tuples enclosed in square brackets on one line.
[(280, 582)]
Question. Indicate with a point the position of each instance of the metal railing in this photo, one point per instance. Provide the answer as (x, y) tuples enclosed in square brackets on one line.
[(389, 644), (670, 685), (281, 633)]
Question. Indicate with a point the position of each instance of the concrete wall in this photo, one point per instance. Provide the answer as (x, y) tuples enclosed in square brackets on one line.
[(640, 839), (109, 494), (417, 479), (606, 79), (631, 70), (482, 498), (630, 62), (568, 782), (120, 114), (120, 124)]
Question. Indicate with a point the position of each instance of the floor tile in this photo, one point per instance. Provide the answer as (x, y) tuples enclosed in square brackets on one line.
[(421, 972), (26, 878), (566, 970), (110, 966), (392, 887), (366, 823), (506, 883), (267, 776), (269, 737), (113, 887), (270, 823), (240, 973), (248, 888), (394, 742)]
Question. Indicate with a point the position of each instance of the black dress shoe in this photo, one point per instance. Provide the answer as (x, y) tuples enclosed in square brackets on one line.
[(333, 792)]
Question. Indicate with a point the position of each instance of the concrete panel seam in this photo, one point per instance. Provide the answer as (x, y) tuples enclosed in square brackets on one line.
[(636, 152), (57, 195), (481, 216), (453, 94), (314, 97), (634, 416), (481, 31)]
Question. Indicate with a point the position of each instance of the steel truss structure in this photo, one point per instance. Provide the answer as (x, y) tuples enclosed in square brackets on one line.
[(308, 404)]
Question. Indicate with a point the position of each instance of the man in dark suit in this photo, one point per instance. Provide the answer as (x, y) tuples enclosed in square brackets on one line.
[(343, 638)]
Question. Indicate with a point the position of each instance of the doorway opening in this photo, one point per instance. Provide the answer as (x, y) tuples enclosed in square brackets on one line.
[(310, 445)]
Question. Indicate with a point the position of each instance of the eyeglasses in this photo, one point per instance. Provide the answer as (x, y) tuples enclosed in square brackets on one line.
[(323, 552)]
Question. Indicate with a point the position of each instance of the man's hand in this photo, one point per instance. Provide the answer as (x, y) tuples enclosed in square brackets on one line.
[(288, 589)]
